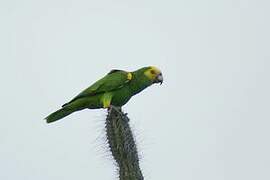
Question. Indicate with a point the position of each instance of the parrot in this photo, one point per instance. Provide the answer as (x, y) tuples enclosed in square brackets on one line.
[(113, 90)]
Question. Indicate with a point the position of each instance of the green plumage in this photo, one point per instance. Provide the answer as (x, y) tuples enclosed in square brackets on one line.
[(116, 88)]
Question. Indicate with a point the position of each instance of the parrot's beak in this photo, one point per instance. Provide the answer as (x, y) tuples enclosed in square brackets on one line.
[(159, 79)]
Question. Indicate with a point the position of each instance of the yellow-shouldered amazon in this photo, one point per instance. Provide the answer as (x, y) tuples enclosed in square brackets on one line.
[(115, 89)]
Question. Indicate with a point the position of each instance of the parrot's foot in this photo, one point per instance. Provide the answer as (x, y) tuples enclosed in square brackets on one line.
[(116, 108), (119, 111)]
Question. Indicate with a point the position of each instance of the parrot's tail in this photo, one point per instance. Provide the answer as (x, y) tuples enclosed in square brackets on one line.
[(59, 114)]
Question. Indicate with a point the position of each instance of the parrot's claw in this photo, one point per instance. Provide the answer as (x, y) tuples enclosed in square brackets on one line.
[(119, 110)]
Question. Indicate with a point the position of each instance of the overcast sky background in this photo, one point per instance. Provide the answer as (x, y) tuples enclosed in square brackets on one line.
[(209, 120)]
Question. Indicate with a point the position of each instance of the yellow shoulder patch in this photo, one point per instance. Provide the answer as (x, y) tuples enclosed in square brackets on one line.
[(129, 76)]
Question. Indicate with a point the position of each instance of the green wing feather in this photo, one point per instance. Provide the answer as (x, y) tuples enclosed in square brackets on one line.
[(115, 79)]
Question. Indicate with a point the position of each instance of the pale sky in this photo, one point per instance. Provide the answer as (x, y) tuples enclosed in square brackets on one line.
[(209, 120)]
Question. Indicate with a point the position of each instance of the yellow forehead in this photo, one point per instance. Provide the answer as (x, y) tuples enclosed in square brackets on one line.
[(153, 68), (152, 72)]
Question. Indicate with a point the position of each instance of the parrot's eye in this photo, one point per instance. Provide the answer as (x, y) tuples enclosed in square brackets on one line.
[(152, 72)]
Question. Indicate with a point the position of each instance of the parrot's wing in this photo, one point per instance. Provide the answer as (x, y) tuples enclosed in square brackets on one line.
[(115, 79)]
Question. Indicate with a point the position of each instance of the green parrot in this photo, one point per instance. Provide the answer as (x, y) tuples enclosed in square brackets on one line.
[(113, 90)]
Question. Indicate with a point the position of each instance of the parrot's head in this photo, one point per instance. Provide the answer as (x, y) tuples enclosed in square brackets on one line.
[(154, 74)]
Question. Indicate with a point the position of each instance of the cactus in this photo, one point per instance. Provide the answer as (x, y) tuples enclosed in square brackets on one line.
[(122, 145)]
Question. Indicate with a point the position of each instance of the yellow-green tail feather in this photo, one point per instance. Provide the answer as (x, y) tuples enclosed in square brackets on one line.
[(59, 114)]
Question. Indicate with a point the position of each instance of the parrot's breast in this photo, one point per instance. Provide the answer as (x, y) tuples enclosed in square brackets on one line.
[(121, 96)]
